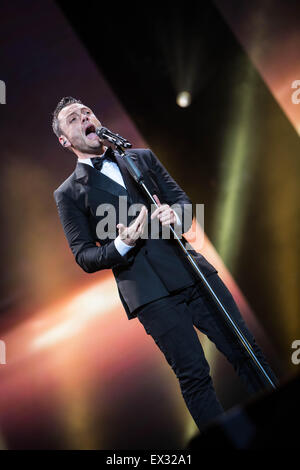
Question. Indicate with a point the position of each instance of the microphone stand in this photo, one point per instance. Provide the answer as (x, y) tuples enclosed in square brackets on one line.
[(120, 143)]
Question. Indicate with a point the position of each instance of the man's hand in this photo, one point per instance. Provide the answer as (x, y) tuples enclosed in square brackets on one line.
[(165, 214), (130, 234)]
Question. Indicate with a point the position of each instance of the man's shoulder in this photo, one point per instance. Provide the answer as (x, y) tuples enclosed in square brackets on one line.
[(65, 188), (143, 154)]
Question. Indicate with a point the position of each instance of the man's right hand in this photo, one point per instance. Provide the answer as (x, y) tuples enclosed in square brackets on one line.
[(130, 234)]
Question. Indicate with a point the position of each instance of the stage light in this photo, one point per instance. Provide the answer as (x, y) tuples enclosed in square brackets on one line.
[(183, 99), (238, 160)]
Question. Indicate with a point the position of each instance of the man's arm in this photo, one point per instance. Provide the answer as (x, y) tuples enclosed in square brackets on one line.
[(88, 255), (172, 192), (122, 247)]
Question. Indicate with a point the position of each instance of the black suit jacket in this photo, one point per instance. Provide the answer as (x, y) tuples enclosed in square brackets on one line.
[(154, 267)]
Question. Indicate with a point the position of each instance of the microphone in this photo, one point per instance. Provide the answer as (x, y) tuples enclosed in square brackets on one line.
[(116, 139)]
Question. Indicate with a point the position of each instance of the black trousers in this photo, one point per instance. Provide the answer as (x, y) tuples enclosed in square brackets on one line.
[(171, 320)]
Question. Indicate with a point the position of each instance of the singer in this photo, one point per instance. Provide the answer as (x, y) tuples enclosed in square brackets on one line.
[(154, 282)]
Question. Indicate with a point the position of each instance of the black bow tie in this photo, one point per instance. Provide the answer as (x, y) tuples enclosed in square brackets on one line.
[(108, 156)]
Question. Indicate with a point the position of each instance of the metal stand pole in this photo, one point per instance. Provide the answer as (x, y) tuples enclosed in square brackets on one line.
[(138, 177)]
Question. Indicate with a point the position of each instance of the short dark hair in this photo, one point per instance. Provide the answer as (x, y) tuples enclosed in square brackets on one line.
[(62, 104)]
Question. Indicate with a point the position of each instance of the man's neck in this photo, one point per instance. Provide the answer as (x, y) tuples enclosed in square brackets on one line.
[(87, 156)]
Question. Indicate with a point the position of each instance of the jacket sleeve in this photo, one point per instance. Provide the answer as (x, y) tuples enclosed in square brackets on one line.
[(172, 192), (88, 255)]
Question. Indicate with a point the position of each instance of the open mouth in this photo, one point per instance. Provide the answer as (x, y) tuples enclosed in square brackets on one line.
[(90, 132)]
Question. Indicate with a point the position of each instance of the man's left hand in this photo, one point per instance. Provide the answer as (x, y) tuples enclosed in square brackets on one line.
[(164, 213)]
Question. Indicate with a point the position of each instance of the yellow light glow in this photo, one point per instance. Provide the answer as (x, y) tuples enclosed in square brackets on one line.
[(238, 163), (95, 301), (184, 99)]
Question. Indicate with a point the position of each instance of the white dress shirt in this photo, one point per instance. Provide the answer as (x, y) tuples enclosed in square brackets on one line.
[(112, 170)]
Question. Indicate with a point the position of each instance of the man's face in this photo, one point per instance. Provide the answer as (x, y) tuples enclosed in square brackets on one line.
[(78, 124)]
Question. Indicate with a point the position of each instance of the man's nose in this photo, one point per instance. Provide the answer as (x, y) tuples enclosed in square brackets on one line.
[(84, 118)]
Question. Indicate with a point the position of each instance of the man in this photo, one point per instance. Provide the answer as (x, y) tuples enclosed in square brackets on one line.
[(155, 283)]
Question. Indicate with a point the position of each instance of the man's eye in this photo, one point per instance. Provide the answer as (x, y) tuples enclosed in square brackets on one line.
[(73, 119)]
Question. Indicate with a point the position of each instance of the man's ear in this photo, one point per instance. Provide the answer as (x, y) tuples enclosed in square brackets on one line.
[(64, 141)]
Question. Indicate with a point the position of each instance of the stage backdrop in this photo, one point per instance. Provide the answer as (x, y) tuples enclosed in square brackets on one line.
[(77, 374)]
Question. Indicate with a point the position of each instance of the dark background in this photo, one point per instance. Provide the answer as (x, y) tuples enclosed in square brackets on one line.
[(148, 54), (233, 149)]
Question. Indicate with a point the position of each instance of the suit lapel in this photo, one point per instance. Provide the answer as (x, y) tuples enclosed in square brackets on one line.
[(128, 180), (86, 174)]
